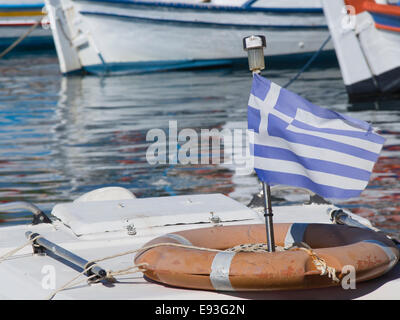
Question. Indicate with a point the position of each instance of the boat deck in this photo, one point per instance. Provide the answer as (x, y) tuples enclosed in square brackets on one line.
[(28, 274)]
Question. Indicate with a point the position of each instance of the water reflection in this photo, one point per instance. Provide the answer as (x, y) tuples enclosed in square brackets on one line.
[(104, 122), (380, 202), (61, 137)]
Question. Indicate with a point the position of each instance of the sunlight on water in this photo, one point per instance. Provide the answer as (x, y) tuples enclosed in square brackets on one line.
[(63, 136)]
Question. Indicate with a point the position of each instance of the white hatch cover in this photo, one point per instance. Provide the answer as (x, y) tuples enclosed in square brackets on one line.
[(115, 215)]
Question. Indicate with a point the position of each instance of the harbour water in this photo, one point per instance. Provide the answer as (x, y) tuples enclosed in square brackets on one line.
[(63, 136)]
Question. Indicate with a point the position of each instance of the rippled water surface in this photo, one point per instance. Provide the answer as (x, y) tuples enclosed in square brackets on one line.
[(63, 136)]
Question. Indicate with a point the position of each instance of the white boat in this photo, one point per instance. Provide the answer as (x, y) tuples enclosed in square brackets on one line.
[(119, 36), (367, 45), (17, 18), (111, 221)]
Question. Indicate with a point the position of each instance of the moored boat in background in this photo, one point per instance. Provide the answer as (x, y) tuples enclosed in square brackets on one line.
[(109, 36), (367, 45), (16, 19)]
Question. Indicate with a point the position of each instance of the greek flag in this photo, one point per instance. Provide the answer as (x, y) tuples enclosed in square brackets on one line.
[(300, 144)]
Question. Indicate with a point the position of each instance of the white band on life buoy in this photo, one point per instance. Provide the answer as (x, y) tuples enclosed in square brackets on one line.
[(219, 275)]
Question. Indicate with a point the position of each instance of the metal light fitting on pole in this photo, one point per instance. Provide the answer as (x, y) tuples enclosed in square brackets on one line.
[(254, 45)]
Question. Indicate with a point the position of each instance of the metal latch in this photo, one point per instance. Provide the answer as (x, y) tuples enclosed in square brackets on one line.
[(215, 219)]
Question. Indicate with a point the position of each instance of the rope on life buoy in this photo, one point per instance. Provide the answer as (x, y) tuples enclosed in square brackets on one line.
[(319, 263), (110, 277)]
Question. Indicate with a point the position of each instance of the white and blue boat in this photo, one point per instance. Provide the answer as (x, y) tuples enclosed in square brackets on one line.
[(121, 36), (17, 18), (367, 45)]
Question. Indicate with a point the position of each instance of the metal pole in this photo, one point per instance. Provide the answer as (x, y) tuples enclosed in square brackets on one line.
[(254, 45), (67, 255), (268, 217)]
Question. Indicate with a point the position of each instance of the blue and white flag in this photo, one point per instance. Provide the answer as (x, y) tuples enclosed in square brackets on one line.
[(300, 144)]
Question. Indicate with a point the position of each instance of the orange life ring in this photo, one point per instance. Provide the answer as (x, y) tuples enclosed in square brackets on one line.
[(371, 254)]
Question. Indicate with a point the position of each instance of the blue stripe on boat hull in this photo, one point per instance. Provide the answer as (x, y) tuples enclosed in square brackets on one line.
[(21, 6), (153, 66), (387, 20), (283, 61), (210, 7), (31, 42), (202, 23)]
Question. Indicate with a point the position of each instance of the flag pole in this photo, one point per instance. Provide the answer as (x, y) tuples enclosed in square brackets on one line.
[(268, 217), (254, 45)]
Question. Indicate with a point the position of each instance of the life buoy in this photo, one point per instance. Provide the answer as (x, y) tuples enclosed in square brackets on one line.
[(198, 258)]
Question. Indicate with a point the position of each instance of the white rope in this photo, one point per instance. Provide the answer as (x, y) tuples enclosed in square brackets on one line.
[(70, 282), (110, 274), (319, 263), (253, 247), (14, 251)]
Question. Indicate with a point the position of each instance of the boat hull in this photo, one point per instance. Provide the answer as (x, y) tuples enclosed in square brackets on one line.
[(119, 38), (16, 19), (368, 51)]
